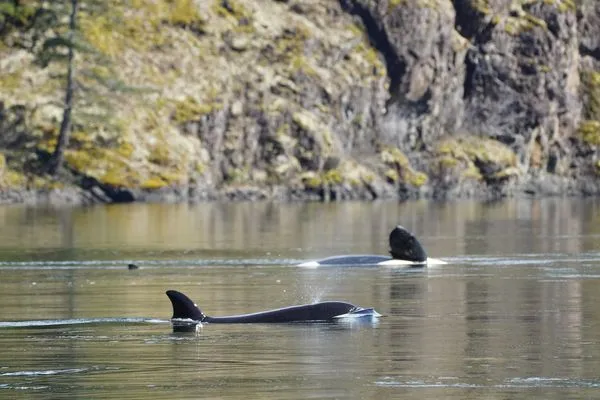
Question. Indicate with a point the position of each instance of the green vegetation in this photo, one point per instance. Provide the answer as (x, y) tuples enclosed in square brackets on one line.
[(481, 6), (591, 91), (313, 128), (349, 172), (87, 76), (399, 168), (15, 15), (235, 93), (519, 20), (524, 22), (190, 109), (460, 154), (562, 5), (589, 130), (230, 9), (394, 3), (420, 3)]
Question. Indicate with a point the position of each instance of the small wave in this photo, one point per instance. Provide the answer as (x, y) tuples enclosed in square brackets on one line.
[(122, 264), (424, 384), (21, 387), (513, 383), (524, 259), (540, 381), (46, 372), (79, 321)]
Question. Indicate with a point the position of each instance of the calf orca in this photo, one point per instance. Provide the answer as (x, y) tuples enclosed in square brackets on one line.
[(186, 313), (405, 250)]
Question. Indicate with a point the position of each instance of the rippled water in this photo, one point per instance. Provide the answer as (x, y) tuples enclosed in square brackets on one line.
[(515, 313)]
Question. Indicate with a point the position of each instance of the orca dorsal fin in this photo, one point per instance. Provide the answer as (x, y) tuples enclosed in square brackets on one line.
[(405, 246), (184, 307)]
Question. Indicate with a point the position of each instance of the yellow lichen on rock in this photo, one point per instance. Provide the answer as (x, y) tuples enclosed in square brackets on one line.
[(589, 130), (462, 152), (591, 89), (190, 109), (399, 168)]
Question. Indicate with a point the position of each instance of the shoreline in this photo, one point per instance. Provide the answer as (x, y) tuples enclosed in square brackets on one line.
[(72, 195)]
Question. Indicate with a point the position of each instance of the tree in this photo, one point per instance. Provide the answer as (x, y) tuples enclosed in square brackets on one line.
[(67, 45), (58, 155)]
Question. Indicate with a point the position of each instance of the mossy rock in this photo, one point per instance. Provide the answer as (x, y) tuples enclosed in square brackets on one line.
[(320, 136), (80, 160), (160, 154), (13, 179), (399, 168), (105, 165), (391, 175), (333, 177), (467, 156), (184, 13), (476, 148), (230, 8), (591, 87), (589, 131), (314, 180), (348, 172), (288, 48), (126, 149), (562, 5), (418, 3), (311, 180), (153, 183), (481, 6), (394, 156), (517, 25), (190, 109), (120, 177), (138, 24), (417, 179), (12, 80)]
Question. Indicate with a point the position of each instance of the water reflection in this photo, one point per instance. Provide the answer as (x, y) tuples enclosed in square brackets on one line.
[(306, 230), (515, 313)]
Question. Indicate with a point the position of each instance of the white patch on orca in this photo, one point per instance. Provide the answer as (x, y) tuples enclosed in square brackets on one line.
[(310, 264), (364, 313), (389, 263), (402, 263)]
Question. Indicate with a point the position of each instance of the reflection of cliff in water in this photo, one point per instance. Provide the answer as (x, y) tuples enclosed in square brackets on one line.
[(533, 226), (307, 230), (491, 325)]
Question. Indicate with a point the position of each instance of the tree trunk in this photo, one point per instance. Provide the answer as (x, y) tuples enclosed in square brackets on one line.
[(56, 160)]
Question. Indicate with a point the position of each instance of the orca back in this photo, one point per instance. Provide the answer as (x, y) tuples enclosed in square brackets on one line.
[(366, 259), (325, 311)]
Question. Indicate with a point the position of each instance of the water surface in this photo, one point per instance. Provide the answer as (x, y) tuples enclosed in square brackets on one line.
[(515, 314)]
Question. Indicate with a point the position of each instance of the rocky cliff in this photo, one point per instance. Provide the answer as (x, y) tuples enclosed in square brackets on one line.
[(315, 99)]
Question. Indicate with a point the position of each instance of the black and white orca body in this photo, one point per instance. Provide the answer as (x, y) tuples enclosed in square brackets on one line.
[(405, 251), (186, 313)]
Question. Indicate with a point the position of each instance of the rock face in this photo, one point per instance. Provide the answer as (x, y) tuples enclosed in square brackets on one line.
[(425, 66), (522, 83), (333, 100)]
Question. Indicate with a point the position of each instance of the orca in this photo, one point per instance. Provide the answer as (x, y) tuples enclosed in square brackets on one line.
[(405, 250), (186, 313)]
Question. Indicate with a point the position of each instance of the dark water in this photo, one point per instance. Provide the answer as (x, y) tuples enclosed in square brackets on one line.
[(515, 313)]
